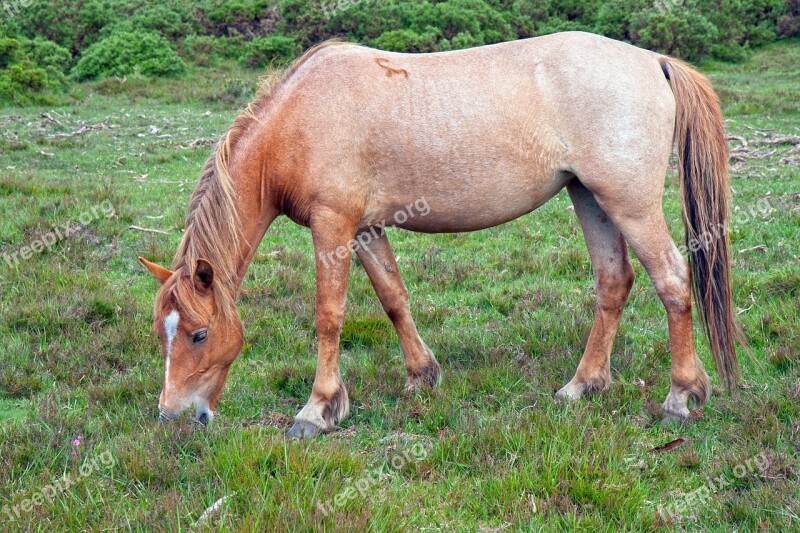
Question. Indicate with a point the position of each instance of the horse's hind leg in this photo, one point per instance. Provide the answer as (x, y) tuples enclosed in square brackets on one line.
[(378, 259), (613, 276), (641, 221)]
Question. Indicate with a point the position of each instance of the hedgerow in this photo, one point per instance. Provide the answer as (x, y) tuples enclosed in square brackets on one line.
[(97, 38)]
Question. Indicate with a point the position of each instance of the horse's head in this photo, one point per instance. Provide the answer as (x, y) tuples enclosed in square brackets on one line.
[(199, 339)]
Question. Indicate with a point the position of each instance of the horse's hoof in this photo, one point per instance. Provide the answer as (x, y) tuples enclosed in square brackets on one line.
[(428, 380), (675, 407), (427, 377), (304, 430), (671, 420), (571, 392)]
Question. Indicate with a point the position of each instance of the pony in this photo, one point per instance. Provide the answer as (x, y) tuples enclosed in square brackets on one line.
[(350, 137)]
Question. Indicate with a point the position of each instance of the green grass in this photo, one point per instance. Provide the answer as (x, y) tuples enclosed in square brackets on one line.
[(506, 311)]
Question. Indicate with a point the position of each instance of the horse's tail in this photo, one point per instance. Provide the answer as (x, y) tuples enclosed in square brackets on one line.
[(706, 199)]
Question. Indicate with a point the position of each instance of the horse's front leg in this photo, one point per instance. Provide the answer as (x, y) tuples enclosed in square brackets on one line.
[(378, 259), (328, 404)]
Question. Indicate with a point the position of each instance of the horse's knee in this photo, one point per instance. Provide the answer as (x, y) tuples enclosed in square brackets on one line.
[(329, 322), (675, 293)]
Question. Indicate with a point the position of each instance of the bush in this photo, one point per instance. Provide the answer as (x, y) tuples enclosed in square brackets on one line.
[(253, 19), (276, 49), (29, 68), (789, 24), (678, 32), (405, 41), (203, 50), (8, 51), (46, 54), (207, 49), (25, 83), (416, 26), (229, 13), (464, 39), (312, 21), (730, 51), (124, 53), (173, 21), (614, 18), (73, 24), (477, 18), (26, 76)]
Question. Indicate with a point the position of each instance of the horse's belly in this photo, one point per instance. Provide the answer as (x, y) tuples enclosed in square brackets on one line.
[(449, 204)]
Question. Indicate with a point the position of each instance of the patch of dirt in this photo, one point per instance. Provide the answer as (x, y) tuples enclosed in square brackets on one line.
[(274, 420)]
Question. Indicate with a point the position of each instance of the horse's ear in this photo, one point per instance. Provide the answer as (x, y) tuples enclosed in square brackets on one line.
[(158, 272), (203, 275)]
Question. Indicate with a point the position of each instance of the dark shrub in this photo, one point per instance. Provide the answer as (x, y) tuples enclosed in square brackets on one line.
[(789, 24), (678, 32), (203, 50), (122, 54), (24, 83), (45, 54), (253, 19), (8, 51), (405, 41), (29, 68), (277, 49), (173, 20)]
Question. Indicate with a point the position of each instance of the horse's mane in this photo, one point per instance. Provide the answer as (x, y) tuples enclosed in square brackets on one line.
[(213, 227)]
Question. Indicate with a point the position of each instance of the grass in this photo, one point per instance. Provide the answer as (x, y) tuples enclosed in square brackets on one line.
[(506, 311)]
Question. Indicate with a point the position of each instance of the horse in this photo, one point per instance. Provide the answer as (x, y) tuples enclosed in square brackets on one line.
[(351, 136)]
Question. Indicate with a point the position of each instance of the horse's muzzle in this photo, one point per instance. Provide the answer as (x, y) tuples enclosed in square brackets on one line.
[(166, 417)]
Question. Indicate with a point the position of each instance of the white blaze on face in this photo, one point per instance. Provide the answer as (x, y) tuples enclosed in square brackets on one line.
[(170, 330)]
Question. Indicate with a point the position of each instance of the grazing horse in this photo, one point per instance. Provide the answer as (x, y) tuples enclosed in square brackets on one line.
[(351, 136)]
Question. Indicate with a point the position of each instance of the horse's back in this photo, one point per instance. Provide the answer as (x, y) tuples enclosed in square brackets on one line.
[(499, 128), (582, 85)]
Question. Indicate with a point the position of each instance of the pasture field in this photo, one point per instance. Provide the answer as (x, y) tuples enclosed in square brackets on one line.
[(506, 312)]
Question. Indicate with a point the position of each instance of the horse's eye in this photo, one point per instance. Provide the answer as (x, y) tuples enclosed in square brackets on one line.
[(199, 335)]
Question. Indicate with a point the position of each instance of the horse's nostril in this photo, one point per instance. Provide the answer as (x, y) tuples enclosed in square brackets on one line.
[(203, 418)]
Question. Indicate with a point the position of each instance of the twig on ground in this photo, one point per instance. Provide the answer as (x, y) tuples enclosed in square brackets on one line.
[(51, 120), (759, 248), (785, 139), (739, 138), (211, 511), (149, 230), (83, 129)]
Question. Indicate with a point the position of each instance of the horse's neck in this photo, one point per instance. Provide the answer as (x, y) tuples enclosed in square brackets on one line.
[(255, 207)]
